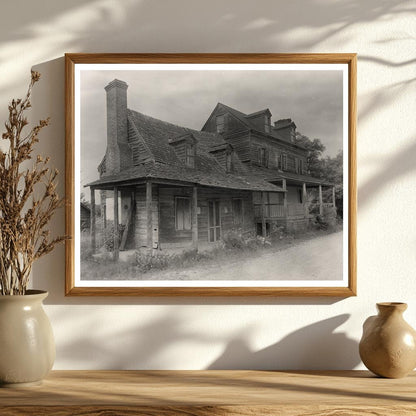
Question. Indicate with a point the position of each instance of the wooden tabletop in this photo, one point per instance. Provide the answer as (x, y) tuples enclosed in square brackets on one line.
[(207, 393)]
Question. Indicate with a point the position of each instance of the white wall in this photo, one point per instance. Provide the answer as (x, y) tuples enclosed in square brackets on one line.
[(198, 333)]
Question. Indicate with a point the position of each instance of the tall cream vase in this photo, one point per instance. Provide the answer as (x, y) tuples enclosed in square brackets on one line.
[(27, 346)]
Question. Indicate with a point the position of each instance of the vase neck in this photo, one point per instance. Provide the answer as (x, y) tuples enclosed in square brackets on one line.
[(390, 308)]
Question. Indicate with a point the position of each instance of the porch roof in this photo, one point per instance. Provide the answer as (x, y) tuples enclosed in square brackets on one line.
[(162, 171), (276, 175)]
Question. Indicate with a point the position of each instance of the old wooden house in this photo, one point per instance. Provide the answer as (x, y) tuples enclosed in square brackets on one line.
[(171, 186)]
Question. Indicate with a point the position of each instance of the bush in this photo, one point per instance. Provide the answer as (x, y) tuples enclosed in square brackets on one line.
[(86, 250), (148, 261), (236, 239), (145, 261), (107, 236)]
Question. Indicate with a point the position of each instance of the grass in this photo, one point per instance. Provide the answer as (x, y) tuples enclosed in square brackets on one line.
[(144, 264)]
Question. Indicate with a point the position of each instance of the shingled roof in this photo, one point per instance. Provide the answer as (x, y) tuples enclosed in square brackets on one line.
[(155, 136)]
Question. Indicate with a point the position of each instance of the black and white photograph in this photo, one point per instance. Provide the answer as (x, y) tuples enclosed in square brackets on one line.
[(211, 175)]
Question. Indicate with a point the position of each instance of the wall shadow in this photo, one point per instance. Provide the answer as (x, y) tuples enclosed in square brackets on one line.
[(313, 347), (146, 345)]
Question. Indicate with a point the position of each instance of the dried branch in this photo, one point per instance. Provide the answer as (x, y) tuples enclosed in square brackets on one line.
[(24, 217)]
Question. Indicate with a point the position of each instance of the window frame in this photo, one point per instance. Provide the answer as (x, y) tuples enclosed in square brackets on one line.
[(190, 155), (284, 161), (187, 198)]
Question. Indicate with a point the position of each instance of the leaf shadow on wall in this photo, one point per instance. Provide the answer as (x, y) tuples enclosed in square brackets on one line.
[(316, 346), (113, 346), (257, 30), (147, 345)]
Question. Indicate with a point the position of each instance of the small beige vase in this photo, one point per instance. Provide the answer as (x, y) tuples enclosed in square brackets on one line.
[(27, 347), (388, 345)]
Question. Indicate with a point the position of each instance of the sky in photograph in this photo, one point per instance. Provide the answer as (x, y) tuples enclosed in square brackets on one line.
[(312, 99)]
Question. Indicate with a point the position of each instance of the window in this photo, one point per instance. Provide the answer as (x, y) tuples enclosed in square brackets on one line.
[(220, 123), (284, 161), (300, 166), (296, 165), (190, 155), (262, 156), (237, 206), (182, 213)]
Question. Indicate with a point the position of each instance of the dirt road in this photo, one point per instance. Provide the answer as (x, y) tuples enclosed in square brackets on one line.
[(316, 259)]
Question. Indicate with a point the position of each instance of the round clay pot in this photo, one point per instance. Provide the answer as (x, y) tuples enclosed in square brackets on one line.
[(388, 345), (27, 347)]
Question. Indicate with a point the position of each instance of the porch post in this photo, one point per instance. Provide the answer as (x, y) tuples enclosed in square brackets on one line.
[(103, 197), (115, 234), (321, 206), (333, 196), (284, 197), (195, 217), (149, 215), (263, 220), (304, 199), (92, 221)]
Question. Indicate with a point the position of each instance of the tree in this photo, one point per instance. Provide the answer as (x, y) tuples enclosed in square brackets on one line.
[(327, 168), (333, 170), (315, 149)]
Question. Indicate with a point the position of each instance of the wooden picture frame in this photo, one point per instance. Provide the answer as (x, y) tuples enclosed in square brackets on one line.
[(144, 169)]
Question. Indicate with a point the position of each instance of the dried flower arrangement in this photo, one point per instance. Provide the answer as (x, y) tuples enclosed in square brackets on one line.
[(28, 199)]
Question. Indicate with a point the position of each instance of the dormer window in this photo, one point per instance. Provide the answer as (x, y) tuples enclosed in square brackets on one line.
[(223, 154), (185, 149), (190, 155), (220, 120)]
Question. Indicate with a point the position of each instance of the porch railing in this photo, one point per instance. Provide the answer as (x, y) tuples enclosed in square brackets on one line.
[(270, 211), (279, 211), (295, 210)]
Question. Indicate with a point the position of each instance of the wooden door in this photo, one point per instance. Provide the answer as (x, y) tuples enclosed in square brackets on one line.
[(214, 221)]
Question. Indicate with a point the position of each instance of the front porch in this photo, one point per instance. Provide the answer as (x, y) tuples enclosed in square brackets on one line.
[(294, 208), (166, 216)]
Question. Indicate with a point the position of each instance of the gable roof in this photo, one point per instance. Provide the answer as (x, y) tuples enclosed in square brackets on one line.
[(155, 135), (247, 121)]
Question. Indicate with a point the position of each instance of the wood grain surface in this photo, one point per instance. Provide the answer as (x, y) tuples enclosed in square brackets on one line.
[(203, 393)]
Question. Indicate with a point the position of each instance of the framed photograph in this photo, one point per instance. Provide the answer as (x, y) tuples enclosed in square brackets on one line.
[(211, 174)]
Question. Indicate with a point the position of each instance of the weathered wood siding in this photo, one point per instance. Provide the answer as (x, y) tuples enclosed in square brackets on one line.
[(180, 150), (167, 230), (139, 150), (241, 145), (227, 217), (274, 149), (293, 194), (221, 158), (231, 123)]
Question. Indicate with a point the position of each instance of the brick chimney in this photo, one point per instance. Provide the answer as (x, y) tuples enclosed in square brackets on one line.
[(118, 154), (286, 129)]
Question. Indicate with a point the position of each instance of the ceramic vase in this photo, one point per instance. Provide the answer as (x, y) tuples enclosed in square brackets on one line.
[(388, 345), (27, 347)]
